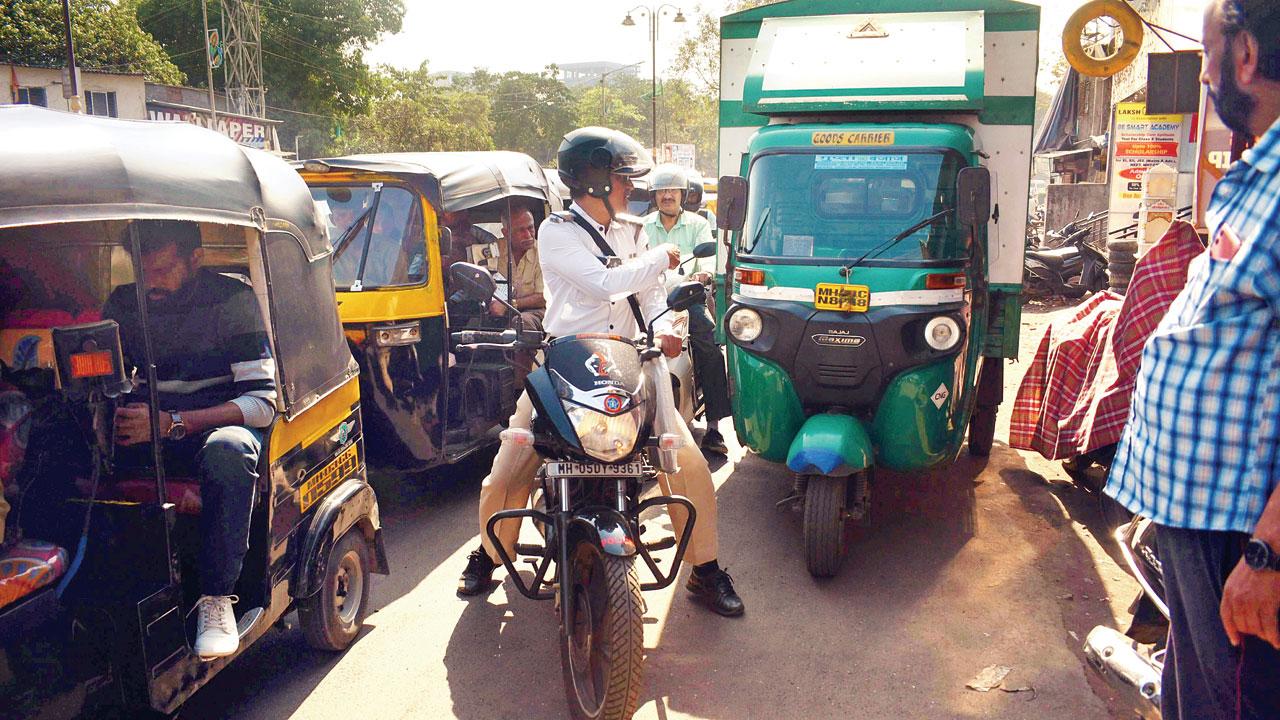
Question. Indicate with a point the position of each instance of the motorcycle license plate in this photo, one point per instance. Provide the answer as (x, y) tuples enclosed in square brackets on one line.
[(845, 298), (577, 469)]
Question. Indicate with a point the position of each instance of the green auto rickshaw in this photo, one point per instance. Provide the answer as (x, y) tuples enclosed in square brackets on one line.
[(875, 266)]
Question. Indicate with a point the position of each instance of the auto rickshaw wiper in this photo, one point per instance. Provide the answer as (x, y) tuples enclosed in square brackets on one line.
[(755, 239), (895, 240), (359, 283)]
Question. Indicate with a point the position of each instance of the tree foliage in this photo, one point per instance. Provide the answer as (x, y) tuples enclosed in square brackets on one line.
[(698, 58), (312, 52), (531, 112), (107, 36), (409, 111)]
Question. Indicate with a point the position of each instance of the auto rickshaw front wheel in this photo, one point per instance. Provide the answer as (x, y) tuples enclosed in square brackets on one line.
[(331, 618), (825, 516)]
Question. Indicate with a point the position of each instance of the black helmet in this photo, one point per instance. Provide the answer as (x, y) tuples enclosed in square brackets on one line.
[(693, 198), (588, 155)]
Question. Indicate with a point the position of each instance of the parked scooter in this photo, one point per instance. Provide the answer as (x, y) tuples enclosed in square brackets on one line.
[(1067, 264), (601, 432), (1135, 659)]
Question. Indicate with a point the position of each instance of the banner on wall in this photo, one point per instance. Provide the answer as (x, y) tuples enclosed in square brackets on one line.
[(1140, 142)]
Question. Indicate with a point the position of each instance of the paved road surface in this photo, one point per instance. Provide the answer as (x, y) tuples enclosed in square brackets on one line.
[(988, 563)]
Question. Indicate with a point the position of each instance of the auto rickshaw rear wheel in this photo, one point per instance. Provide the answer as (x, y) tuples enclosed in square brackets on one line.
[(982, 430), (331, 618), (825, 500)]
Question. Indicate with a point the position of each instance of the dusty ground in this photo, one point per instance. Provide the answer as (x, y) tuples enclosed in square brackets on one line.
[(994, 562)]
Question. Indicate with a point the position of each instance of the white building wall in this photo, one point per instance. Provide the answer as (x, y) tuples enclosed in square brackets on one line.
[(130, 90)]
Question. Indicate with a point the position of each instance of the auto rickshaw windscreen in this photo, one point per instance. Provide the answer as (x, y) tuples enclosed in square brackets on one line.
[(397, 250), (842, 205)]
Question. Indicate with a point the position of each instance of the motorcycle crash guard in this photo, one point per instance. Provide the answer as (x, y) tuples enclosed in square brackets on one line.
[(833, 445), (608, 529)]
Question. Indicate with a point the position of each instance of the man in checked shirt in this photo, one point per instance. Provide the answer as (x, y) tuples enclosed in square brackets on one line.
[(1201, 452)]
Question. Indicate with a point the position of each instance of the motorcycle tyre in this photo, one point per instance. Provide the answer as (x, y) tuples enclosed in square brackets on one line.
[(616, 586), (825, 498)]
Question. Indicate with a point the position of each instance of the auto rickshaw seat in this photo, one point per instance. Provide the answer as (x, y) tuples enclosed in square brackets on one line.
[(140, 487), (28, 567)]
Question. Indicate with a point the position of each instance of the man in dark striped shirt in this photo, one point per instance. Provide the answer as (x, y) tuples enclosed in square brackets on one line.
[(216, 380)]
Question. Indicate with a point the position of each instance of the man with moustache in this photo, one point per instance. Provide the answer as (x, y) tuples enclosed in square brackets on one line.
[(527, 295), (1201, 452), (217, 390)]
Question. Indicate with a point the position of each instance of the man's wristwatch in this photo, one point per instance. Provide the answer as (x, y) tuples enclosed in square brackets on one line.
[(177, 428), (1259, 555)]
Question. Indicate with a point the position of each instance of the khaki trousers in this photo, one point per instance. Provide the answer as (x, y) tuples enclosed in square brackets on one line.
[(511, 481)]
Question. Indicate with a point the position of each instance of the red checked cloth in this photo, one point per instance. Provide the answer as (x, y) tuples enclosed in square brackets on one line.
[(1075, 396)]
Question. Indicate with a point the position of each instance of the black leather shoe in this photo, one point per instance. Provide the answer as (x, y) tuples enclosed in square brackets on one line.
[(713, 442), (716, 591), (478, 577)]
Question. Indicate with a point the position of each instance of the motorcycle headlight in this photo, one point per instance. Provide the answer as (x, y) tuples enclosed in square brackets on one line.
[(605, 437), (745, 325), (942, 333)]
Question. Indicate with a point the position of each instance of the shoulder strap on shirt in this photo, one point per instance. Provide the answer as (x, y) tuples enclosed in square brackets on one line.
[(608, 252)]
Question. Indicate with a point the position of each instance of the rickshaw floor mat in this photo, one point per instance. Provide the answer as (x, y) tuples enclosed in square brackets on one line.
[(28, 566)]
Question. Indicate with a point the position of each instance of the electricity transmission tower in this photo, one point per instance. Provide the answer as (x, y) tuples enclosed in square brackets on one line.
[(245, 90)]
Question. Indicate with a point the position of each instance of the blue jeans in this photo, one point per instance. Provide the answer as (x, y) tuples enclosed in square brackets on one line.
[(708, 364), (1205, 677), (227, 463)]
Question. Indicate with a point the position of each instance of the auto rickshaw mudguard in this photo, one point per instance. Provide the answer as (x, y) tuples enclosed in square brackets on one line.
[(605, 527), (831, 444), (351, 504), (921, 418)]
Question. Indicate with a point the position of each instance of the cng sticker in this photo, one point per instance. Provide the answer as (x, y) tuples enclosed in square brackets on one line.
[(853, 137), (940, 396)]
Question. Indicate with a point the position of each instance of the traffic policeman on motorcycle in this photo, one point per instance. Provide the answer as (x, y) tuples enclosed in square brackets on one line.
[(590, 293)]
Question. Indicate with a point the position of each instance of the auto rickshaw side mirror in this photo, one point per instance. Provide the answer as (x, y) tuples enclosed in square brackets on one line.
[(686, 295), (731, 203), (705, 249), (973, 196), (473, 281), (446, 240)]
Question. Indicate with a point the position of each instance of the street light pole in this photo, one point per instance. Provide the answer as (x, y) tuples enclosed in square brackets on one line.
[(653, 14)]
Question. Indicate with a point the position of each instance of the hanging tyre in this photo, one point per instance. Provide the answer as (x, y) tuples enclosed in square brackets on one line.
[(331, 618), (602, 648), (824, 524)]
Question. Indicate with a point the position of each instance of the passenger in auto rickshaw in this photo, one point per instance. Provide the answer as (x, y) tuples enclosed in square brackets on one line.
[(519, 231), (216, 382)]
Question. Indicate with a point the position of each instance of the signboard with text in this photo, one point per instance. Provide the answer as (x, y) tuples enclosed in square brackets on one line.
[(1140, 142), (247, 131)]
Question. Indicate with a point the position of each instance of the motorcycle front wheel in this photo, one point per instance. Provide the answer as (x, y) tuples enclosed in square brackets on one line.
[(602, 644)]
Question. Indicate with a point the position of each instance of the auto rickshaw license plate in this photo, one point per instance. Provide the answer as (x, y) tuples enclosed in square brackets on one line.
[(845, 298), (577, 469)]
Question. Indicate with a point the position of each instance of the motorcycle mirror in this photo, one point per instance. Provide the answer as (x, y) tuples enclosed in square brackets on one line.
[(973, 196), (705, 249), (446, 240), (731, 203), (473, 281), (686, 295)]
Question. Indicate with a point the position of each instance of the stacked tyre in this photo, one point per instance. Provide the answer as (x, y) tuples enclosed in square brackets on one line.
[(1121, 256)]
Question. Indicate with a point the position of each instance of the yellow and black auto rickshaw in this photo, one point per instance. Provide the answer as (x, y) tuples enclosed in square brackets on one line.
[(397, 221), (98, 578)]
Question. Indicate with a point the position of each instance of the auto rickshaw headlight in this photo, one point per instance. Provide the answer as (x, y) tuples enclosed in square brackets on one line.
[(942, 333), (605, 437), (745, 325)]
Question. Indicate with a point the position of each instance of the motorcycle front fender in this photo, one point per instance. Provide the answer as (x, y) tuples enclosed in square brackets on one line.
[(833, 445), (606, 528)]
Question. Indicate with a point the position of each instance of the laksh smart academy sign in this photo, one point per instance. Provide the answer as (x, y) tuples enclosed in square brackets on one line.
[(247, 131), (1141, 142)]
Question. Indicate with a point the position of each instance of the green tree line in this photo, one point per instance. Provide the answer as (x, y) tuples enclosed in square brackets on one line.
[(331, 101)]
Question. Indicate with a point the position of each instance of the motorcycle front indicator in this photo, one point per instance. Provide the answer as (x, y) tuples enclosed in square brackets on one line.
[(605, 437)]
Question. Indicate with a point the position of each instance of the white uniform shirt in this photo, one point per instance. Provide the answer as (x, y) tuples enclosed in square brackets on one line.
[(585, 296)]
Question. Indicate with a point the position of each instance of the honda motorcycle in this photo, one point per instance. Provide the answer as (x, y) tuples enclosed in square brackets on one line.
[(602, 427)]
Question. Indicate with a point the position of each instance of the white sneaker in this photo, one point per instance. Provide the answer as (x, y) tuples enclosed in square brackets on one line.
[(216, 632)]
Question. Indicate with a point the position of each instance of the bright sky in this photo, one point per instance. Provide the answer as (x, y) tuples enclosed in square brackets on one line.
[(522, 35)]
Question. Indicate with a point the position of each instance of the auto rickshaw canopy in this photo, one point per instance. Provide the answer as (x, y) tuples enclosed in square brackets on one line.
[(72, 171), (466, 179), (64, 167)]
